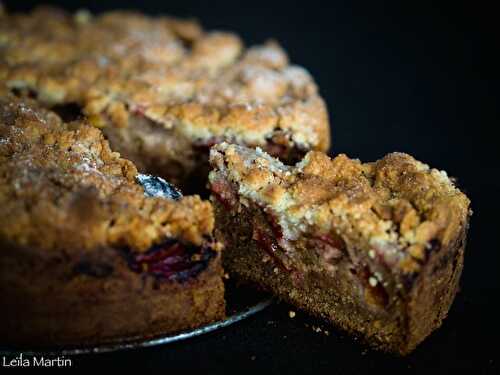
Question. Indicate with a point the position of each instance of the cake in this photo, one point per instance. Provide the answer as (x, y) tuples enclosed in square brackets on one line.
[(375, 248), (162, 89), (91, 250)]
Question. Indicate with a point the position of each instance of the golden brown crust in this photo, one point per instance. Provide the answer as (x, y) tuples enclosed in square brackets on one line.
[(204, 84), (393, 208), (61, 186)]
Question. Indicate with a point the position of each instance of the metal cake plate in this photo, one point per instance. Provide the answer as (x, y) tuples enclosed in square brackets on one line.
[(241, 302)]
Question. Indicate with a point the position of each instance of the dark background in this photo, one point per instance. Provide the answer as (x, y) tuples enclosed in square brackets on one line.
[(397, 76)]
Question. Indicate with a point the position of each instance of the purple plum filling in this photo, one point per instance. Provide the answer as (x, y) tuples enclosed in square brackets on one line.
[(171, 261), (331, 248)]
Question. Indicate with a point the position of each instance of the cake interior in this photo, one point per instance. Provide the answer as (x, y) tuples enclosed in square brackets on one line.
[(317, 275), (328, 273), (182, 160)]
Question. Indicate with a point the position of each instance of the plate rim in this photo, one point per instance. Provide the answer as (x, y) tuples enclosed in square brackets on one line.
[(135, 342)]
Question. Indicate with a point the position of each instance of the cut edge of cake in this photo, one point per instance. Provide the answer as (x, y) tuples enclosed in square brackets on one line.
[(376, 248)]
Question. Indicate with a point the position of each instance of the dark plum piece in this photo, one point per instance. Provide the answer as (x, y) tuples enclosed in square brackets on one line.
[(158, 187), (171, 260)]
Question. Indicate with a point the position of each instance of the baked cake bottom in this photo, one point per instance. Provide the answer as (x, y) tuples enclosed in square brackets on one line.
[(101, 297)]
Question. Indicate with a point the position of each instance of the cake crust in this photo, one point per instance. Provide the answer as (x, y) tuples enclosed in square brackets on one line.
[(375, 248), (86, 255), (57, 178)]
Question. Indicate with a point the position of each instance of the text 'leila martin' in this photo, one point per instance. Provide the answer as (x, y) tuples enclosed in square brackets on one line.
[(36, 361)]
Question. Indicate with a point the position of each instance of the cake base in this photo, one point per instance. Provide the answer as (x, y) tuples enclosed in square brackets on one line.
[(58, 302)]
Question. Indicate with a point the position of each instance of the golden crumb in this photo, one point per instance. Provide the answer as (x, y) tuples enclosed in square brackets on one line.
[(58, 177)]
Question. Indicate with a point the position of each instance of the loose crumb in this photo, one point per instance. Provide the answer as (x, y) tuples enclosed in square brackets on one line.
[(316, 329)]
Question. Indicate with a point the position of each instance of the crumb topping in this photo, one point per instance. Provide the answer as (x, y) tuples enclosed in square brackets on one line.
[(61, 186), (121, 64), (394, 208)]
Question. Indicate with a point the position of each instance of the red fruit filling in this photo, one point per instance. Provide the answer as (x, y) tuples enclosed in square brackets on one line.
[(275, 226), (171, 261), (269, 245), (276, 150), (224, 193), (281, 150), (333, 240)]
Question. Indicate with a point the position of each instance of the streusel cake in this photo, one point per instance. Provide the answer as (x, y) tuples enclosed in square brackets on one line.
[(376, 248), (88, 254), (162, 89)]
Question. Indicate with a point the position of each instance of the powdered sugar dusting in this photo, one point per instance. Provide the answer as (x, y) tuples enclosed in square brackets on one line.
[(297, 76), (269, 54)]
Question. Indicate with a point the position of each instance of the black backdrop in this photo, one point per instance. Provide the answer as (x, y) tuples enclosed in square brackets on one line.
[(397, 76)]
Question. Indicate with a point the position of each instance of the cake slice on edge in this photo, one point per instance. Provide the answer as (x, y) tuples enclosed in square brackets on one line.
[(90, 250), (375, 248)]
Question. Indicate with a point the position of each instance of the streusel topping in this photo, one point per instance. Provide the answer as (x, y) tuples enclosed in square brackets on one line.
[(394, 207), (62, 187), (122, 64)]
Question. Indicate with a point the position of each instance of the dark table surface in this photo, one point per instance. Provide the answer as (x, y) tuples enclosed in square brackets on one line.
[(396, 77)]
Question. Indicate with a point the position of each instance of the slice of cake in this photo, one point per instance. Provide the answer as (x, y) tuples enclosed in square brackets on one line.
[(375, 248), (90, 250), (162, 89)]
